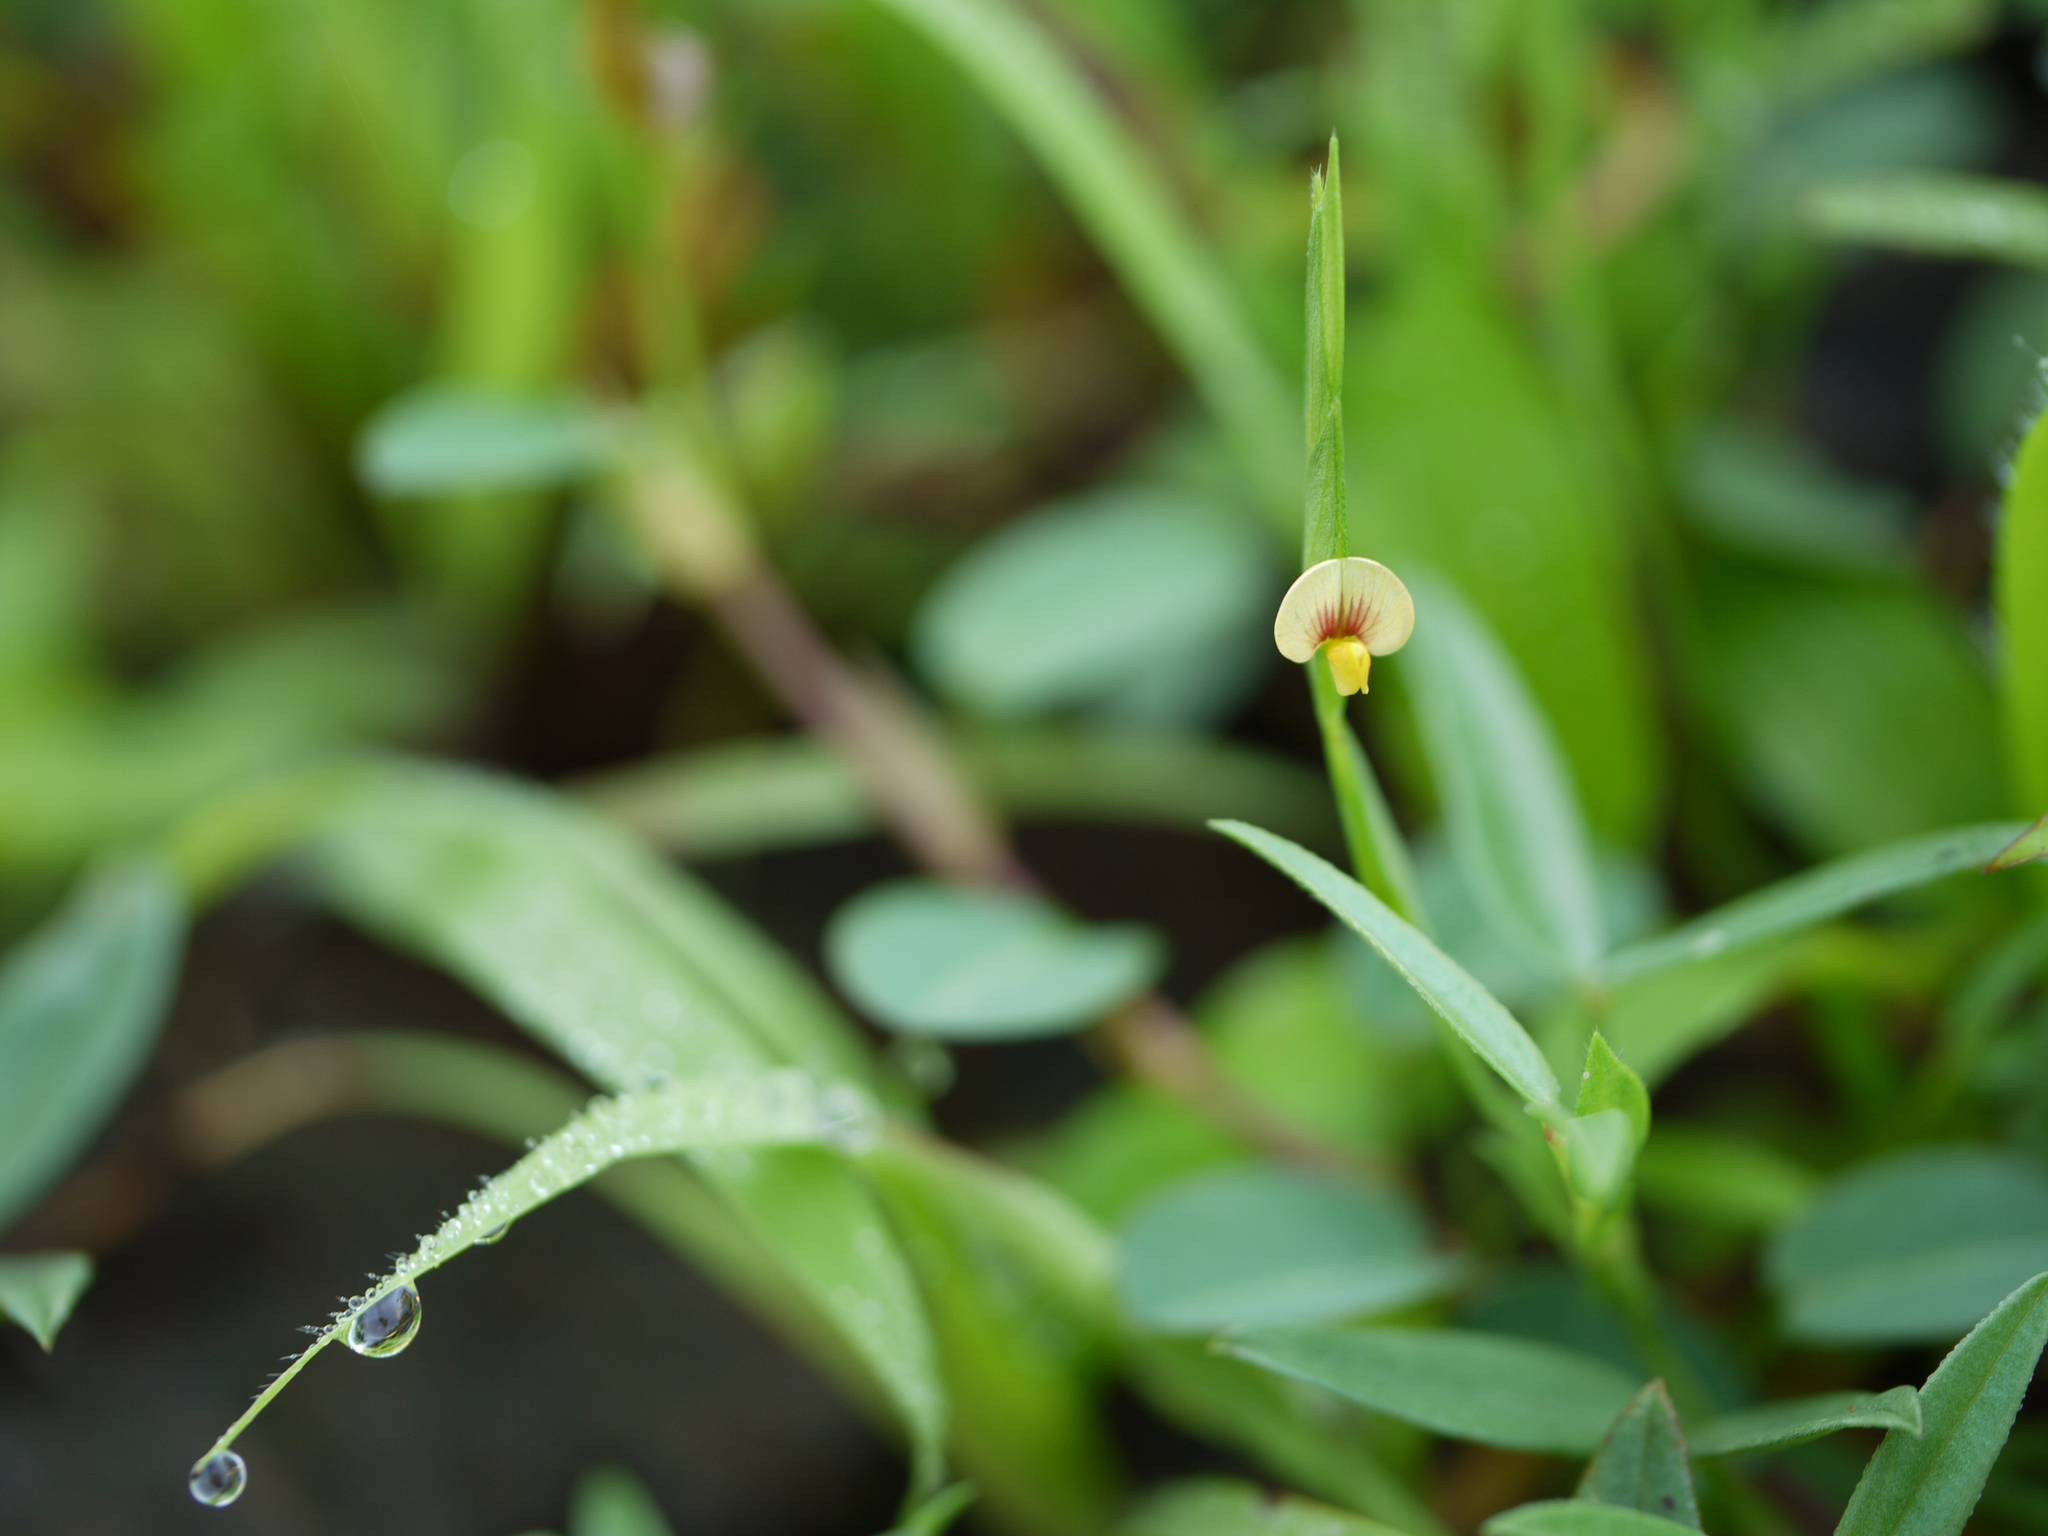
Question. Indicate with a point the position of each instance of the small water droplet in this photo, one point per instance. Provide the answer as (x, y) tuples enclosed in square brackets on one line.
[(219, 1479), (496, 1233), (387, 1324)]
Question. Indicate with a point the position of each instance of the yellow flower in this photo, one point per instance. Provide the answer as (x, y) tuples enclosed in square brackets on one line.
[(1354, 609)]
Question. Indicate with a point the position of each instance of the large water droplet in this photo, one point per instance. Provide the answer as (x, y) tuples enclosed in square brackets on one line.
[(219, 1479), (496, 1234), (387, 1324)]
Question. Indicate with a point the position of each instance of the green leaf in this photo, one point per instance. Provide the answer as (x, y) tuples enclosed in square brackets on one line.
[(718, 1112), (610, 1501), (958, 964), (447, 438), (1712, 1176), (38, 1290), (1915, 1247), (2020, 599), (1599, 1153), (1927, 1486), (1642, 1463), (1324, 532), (1667, 1014), (1814, 897), (1467, 1007), (1770, 1425), (625, 968), (1123, 204), (1771, 497), (1090, 598), (1609, 1083), (1931, 213), (1268, 1245), (1487, 1387), (2029, 845), (80, 1003), (1217, 1507), (1574, 1517), (1511, 813), (936, 1513)]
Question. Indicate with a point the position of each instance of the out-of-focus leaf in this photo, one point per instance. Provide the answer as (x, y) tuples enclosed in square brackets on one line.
[(1486, 1387), (2020, 594), (1467, 1007), (2029, 845), (1020, 1288), (1575, 1517), (1986, 218), (937, 1513), (1824, 45), (1123, 204), (959, 964), (1512, 814), (1771, 498), (788, 791), (1215, 1507), (445, 438), (1514, 516), (1091, 599), (610, 1501), (1813, 897), (38, 1290), (622, 966), (1663, 1017), (1642, 1462), (1770, 1425), (1989, 383), (1267, 1245), (1859, 714), (1928, 1485), (1916, 1247), (1712, 1176), (80, 1002), (1599, 1153)]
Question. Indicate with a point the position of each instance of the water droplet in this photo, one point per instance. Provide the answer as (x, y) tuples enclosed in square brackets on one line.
[(496, 1233), (219, 1479), (387, 1324)]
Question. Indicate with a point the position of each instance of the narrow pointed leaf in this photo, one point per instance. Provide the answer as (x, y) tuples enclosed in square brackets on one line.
[(1216, 1507), (1510, 807), (2020, 599), (1485, 1387), (1815, 896), (1770, 1425), (38, 1290), (937, 1513), (1927, 1486), (2029, 845), (80, 1002), (1933, 213), (1465, 1005), (1609, 1083), (1574, 1517), (1325, 535), (1642, 1462)]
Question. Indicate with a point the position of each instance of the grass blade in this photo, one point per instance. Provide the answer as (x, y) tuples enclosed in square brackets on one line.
[(2029, 845), (1770, 1425), (1485, 1387), (2020, 599), (1466, 1006), (1814, 897), (1928, 1485), (1325, 534)]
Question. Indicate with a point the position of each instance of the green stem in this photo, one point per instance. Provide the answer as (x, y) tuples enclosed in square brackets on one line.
[(1379, 856)]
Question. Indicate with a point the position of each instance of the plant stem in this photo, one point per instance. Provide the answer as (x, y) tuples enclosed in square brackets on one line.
[(1379, 856)]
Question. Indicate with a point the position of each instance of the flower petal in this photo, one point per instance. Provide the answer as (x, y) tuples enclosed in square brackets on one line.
[(1349, 597)]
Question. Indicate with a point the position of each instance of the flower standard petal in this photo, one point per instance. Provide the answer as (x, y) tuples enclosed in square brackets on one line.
[(1352, 598)]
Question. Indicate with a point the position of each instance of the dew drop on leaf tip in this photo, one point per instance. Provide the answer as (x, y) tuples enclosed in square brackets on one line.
[(386, 1325), (218, 1480)]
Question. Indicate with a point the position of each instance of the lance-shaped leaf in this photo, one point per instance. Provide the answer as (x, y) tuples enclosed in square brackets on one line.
[(445, 438), (1935, 213), (1575, 1517), (1511, 812), (80, 1002), (1217, 1507), (1928, 1485), (1642, 1462), (1770, 1425), (2029, 845), (1815, 896), (1465, 1005), (38, 1290), (781, 1108), (1608, 1126), (1486, 1387)]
